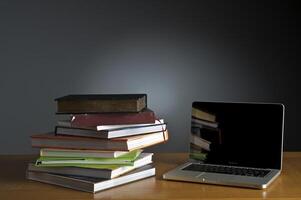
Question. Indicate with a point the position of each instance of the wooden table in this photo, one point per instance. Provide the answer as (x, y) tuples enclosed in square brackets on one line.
[(13, 184)]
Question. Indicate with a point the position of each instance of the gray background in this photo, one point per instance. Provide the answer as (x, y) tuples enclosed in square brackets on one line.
[(176, 52)]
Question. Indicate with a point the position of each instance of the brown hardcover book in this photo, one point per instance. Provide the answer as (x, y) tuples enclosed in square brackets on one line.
[(50, 140), (91, 120), (98, 103)]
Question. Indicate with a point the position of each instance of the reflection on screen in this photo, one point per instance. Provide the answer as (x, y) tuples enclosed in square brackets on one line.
[(239, 134)]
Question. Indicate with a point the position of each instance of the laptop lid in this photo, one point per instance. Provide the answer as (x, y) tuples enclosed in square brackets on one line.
[(237, 134)]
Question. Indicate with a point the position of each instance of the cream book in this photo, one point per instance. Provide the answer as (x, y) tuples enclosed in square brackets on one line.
[(48, 152)]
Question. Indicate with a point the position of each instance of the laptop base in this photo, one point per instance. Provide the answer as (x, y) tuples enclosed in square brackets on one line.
[(178, 174)]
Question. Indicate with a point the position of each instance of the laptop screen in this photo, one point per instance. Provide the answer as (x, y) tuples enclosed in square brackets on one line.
[(237, 134)]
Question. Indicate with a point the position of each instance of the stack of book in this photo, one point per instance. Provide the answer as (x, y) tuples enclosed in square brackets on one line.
[(205, 134), (99, 143)]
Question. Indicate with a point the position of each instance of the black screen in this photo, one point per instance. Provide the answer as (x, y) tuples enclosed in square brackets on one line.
[(239, 134)]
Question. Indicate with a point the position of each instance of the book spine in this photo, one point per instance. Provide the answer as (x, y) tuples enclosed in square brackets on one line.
[(96, 106), (76, 106), (91, 120)]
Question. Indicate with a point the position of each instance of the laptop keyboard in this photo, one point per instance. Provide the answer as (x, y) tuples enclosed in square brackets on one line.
[(228, 170)]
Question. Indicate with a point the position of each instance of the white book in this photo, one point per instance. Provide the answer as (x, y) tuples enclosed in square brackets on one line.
[(101, 172), (67, 123), (89, 184), (112, 131), (108, 127)]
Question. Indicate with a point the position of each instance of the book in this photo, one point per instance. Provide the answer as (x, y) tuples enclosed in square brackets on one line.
[(66, 123), (112, 131), (50, 140), (98, 103), (98, 171), (200, 142), (200, 114), (127, 159), (202, 123), (48, 152), (91, 184), (146, 116)]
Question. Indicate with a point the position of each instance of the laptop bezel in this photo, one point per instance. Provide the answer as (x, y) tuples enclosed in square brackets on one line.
[(253, 103)]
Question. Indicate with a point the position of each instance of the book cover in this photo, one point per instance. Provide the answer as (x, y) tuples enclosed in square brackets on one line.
[(92, 120)]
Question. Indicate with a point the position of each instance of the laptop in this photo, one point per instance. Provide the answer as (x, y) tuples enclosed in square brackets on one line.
[(235, 144)]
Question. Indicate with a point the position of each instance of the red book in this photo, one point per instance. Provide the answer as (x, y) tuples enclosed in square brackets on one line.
[(90, 120)]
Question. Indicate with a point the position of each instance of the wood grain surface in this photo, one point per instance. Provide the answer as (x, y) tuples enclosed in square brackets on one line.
[(13, 184)]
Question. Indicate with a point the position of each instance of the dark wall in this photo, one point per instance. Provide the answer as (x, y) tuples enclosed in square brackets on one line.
[(176, 52)]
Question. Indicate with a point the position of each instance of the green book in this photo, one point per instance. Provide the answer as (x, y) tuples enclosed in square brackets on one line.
[(101, 163), (96, 171)]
